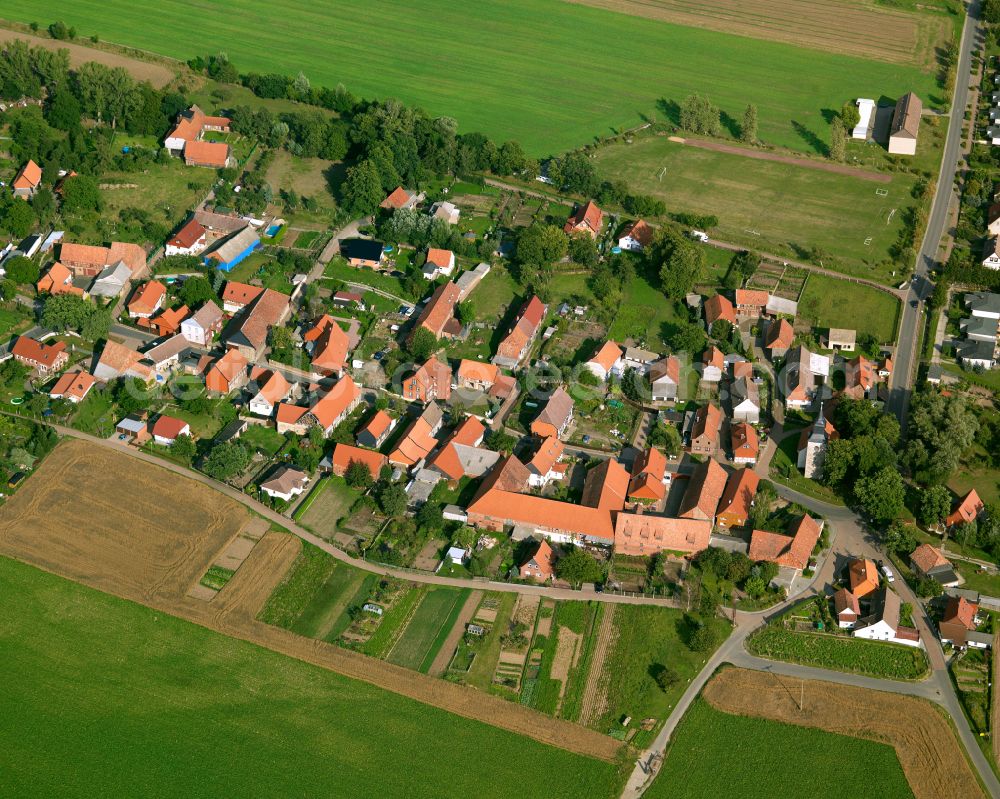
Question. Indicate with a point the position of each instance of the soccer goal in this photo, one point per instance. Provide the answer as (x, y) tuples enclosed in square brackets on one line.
[(882, 192)]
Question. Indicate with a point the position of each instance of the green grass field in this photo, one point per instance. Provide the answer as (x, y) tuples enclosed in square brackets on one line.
[(784, 204), (501, 71), (152, 705), (766, 759), (417, 643), (828, 302)]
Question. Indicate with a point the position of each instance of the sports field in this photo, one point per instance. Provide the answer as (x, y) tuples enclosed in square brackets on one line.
[(152, 705), (770, 205), (768, 760), (547, 73)]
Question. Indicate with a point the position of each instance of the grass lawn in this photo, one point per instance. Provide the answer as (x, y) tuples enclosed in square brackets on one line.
[(985, 481), (648, 638), (248, 267), (157, 706), (502, 74), (14, 320), (332, 503), (645, 315), (841, 653), (494, 294), (987, 583), (203, 425), (264, 438), (324, 605), (420, 640), (828, 302), (786, 204), (307, 177), (95, 415), (338, 268), (767, 759)]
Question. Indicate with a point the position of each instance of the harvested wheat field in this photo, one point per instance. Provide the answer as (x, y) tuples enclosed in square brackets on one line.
[(931, 757), (853, 27), (118, 524), (130, 528), (157, 74)]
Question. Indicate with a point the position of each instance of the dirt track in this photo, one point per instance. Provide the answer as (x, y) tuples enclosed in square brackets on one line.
[(805, 163), (157, 74), (135, 530), (925, 742)]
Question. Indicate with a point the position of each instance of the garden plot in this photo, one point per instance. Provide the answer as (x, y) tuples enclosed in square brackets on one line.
[(514, 648)]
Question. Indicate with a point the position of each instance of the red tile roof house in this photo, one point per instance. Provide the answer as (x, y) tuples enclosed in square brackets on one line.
[(647, 486), (85, 260), (377, 430), (326, 413), (476, 376), (737, 499), (211, 154), (586, 219), (719, 307), (249, 332), (191, 239), (432, 381), (439, 262), (228, 373), (643, 534), (419, 440), (544, 466), (43, 358), (556, 417), (328, 347), (750, 303), (400, 198), (147, 300), (540, 565), (58, 280), (883, 622), (606, 486), (712, 364), (636, 236), (518, 341), (607, 360), (167, 322), (779, 338), (804, 373), (73, 386), (438, 314), (929, 562), (792, 551), (958, 620), (344, 455), (968, 509), (448, 460), (862, 575), (846, 609), (704, 492), (237, 296), (745, 443), (27, 181), (185, 139), (273, 389), (167, 429), (861, 378), (705, 431)]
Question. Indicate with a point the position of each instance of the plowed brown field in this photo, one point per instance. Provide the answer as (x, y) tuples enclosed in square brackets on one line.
[(852, 27), (135, 530), (932, 759)]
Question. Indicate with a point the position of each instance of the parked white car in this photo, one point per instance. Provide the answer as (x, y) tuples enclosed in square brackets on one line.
[(889, 576)]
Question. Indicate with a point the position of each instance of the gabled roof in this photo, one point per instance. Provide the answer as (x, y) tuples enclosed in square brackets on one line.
[(906, 116), (37, 352), (741, 488), (606, 486), (542, 560), (644, 533), (209, 153), (133, 255), (378, 425), (440, 258), (266, 311), (190, 232), (557, 409), (345, 454), (863, 576), (751, 298), (704, 491), (447, 459), (169, 320), (285, 413), (719, 307), (477, 371), (274, 387), (588, 215), (745, 441), (121, 359), (713, 357), (792, 551), (147, 297), (169, 427), (398, 198), (440, 308), (960, 610), (419, 439), (967, 509), (780, 335), (29, 176), (225, 371), (707, 420), (235, 245), (607, 356), (432, 380), (639, 231), (206, 316), (669, 368), (647, 476), (240, 293), (73, 384), (338, 399), (331, 344), (845, 604), (548, 514), (524, 328), (549, 451), (927, 558)]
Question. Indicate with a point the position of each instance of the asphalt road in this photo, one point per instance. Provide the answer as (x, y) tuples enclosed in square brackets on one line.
[(907, 351)]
